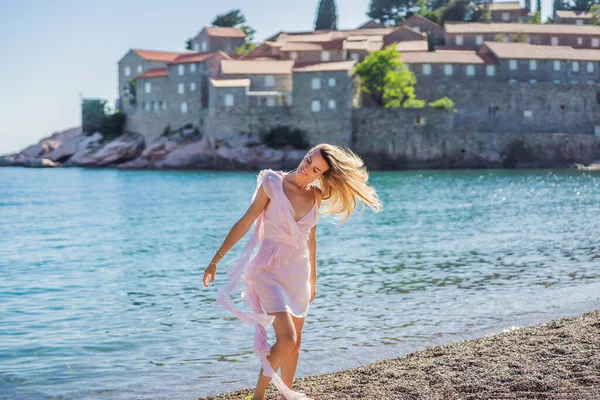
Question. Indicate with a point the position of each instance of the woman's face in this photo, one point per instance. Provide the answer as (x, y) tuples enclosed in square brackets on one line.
[(312, 167)]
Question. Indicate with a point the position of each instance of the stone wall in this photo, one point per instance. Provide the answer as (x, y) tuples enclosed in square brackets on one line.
[(398, 138), (519, 107)]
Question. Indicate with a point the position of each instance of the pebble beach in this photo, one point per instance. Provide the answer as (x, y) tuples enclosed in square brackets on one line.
[(559, 359)]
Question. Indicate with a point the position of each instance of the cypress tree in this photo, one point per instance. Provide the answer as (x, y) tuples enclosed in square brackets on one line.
[(326, 15)]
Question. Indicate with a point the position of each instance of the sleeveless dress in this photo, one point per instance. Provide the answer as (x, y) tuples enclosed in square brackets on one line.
[(276, 279)]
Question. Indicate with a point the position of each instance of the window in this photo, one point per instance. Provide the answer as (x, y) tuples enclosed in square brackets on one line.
[(192, 86), (269, 80), (575, 66), (139, 69), (590, 67), (204, 45), (315, 105), (127, 71), (197, 47), (148, 87), (192, 67), (294, 55), (490, 70), (578, 22), (184, 108), (316, 83), (229, 100), (156, 105), (164, 105), (479, 40), (512, 64), (527, 113), (447, 69), (416, 28), (554, 41), (180, 88), (325, 56), (556, 81), (181, 69), (426, 69), (512, 81), (580, 41), (271, 101), (595, 42), (354, 56), (505, 16), (532, 65), (506, 38), (331, 104), (331, 82), (532, 81), (556, 65), (470, 70), (146, 106), (459, 40)]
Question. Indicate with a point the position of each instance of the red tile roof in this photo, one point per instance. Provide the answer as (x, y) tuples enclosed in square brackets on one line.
[(192, 58), (154, 55), (223, 32), (324, 66), (153, 73)]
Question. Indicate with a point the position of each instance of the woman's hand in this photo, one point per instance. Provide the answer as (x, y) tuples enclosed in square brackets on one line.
[(313, 293), (210, 271)]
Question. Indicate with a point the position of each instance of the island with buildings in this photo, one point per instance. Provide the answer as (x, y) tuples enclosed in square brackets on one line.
[(524, 95)]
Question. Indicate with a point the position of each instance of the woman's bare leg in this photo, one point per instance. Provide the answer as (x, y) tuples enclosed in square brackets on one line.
[(290, 362), (285, 333)]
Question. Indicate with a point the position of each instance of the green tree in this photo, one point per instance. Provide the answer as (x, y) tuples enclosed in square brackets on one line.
[(383, 76), (595, 14), (537, 16), (581, 5), (326, 15), (445, 103), (456, 10), (559, 5), (480, 11), (390, 12), (229, 19), (188, 44), (519, 37), (249, 45)]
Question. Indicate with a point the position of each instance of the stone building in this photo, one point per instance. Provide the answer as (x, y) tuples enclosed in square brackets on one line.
[(435, 32), (474, 34), (508, 63), (175, 95), (134, 63), (216, 38), (572, 17), (509, 11), (270, 80)]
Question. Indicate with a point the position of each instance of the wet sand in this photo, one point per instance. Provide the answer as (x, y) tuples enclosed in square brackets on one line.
[(559, 359)]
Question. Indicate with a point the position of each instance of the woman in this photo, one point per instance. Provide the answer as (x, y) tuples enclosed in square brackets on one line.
[(282, 278)]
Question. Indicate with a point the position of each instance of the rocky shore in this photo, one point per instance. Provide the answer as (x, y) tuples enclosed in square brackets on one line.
[(184, 149), (559, 359)]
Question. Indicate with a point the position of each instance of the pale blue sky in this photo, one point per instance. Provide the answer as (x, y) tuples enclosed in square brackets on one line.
[(54, 50)]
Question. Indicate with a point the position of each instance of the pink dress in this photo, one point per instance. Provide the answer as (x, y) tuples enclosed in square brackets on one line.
[(276, 278)]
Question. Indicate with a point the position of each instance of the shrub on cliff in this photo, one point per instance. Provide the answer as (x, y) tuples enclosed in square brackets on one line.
[(387, 80), (96, 117), (282, 136), (445, 103)]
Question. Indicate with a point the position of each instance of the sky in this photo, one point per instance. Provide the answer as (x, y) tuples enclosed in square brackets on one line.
[(53, 52)]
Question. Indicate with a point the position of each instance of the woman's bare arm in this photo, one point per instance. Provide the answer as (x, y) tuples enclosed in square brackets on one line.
[(239, 229)]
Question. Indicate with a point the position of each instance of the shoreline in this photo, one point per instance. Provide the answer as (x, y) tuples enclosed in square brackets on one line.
[(558, 359)]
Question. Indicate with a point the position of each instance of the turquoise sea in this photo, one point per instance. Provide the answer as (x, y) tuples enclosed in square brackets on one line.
[(101, 293)]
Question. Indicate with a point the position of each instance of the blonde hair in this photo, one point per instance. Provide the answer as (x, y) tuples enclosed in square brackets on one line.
[(344, 183)]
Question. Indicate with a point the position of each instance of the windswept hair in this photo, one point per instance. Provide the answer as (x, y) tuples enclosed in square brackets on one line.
[(345, 182)]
